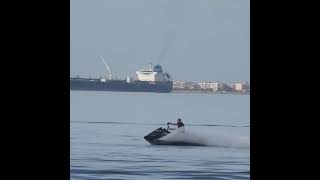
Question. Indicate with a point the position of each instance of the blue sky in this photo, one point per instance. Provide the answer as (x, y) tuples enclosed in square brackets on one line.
[(193, 40)]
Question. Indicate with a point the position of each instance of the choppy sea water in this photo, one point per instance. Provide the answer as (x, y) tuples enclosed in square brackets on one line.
[(107, 130)]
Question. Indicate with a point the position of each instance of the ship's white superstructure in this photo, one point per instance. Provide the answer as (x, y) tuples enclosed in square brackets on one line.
[(152, 73)]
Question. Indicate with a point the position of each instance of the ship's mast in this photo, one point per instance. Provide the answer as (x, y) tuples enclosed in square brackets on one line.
[(105, 63)]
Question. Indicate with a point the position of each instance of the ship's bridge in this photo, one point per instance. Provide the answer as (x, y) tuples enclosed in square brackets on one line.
[(153, 73)]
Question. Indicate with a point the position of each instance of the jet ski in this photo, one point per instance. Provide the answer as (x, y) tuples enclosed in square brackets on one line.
[(155, 136)]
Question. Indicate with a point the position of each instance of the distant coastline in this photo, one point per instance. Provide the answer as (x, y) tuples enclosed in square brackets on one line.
[(208, 92), (211, 87)]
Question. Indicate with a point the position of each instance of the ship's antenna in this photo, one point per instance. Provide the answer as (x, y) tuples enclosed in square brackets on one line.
[(105, 63)]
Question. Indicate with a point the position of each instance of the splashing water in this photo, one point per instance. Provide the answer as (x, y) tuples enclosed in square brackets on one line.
[(217, 139)]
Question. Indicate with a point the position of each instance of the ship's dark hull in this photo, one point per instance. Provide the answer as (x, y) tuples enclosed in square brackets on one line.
[(82, 84)]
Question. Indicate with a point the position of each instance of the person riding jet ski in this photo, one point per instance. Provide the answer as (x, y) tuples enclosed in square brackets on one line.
[(179, 124), (157, 137)]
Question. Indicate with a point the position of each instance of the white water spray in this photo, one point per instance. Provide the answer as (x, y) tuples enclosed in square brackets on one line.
[(217, 139)]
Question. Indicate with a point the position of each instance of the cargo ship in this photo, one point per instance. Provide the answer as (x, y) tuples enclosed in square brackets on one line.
[(150, 79)]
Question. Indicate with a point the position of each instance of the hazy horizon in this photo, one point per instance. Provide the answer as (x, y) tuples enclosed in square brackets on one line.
[(193, 40)]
